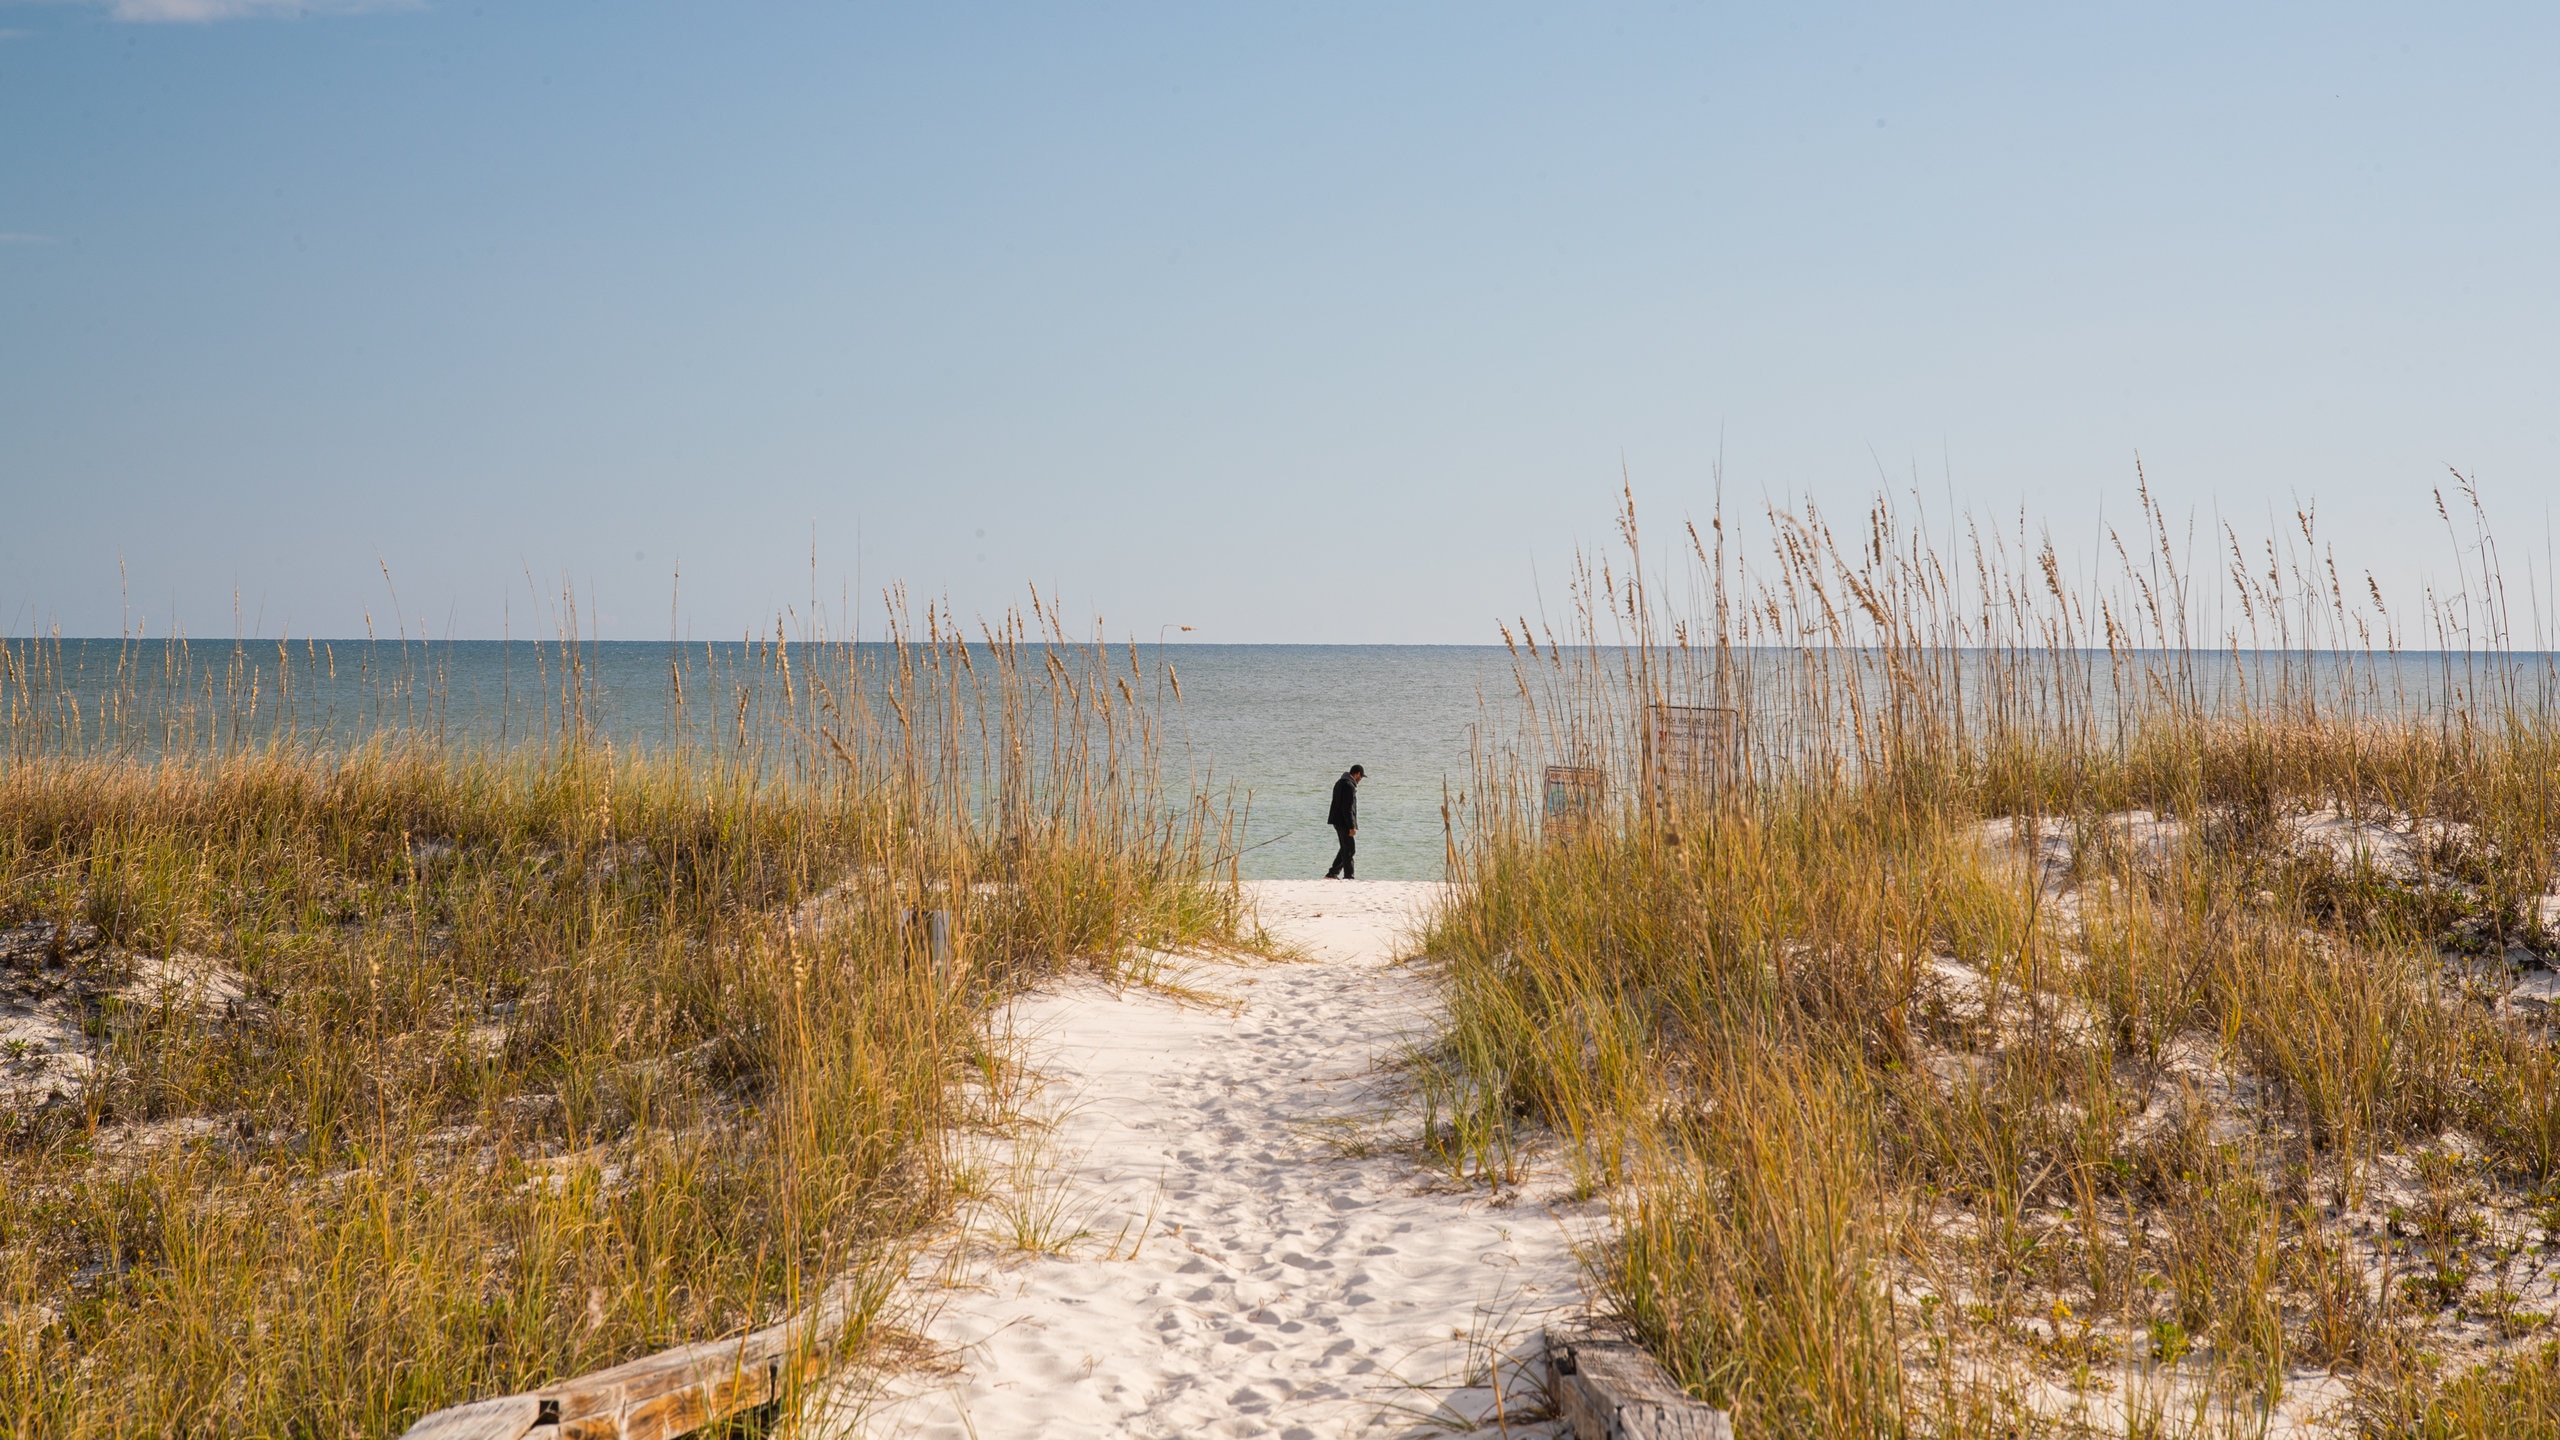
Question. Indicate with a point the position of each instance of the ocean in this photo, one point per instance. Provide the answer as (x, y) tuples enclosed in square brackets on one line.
[(1265, 727)]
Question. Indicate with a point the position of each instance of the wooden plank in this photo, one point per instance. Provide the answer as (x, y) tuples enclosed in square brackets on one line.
[(503, 1417), (656, 1397), (674, 1392), (1610, 1390)]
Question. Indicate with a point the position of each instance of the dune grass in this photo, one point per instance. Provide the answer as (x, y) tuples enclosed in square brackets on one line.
[(416, 1073), (2049, 1024)]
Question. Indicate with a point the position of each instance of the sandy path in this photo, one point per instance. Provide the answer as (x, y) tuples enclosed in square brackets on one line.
[(1294, 1282)]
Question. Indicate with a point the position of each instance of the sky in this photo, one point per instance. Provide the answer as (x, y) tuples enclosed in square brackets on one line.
[(1302, 323)]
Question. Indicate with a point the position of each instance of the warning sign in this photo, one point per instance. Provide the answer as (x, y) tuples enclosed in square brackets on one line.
[(1692, 753)]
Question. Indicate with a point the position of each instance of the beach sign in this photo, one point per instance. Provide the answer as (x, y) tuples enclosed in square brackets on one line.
[(1692, 753), (1573, 798)]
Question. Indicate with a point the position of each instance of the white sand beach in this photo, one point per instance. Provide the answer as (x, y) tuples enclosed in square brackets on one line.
[(1260, 1251)]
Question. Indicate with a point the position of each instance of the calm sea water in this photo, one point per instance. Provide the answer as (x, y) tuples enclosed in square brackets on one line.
[(1282, 721), (1269, 725)]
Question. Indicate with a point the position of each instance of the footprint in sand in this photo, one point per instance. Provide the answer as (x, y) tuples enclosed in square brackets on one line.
[(1289, 1281)]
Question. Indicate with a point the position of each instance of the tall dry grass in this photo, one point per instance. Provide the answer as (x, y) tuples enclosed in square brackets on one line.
[(417, 1072), (2081, 1006)]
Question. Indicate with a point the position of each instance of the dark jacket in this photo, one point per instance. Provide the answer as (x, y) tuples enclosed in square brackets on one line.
[(1346, 803)]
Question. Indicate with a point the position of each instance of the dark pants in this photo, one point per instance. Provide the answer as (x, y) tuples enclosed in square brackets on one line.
[(1342, 857)]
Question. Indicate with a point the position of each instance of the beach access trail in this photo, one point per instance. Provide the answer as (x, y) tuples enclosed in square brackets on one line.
[(1258, 1248)]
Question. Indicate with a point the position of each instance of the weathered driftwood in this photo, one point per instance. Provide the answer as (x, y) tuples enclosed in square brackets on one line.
[(657, 1397), (510, 1415), (1610, 1390)]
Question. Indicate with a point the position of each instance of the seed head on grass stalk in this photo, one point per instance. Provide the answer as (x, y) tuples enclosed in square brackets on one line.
[(2006, 975), (534, 1059)]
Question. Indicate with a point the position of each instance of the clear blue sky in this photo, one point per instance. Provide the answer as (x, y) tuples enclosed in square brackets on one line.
[(1290, 322)]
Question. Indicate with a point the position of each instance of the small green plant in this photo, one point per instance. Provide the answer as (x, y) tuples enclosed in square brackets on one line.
[(2439, 1287)]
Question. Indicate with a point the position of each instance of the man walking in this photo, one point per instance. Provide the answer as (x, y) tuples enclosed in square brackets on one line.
[(1344, 817)]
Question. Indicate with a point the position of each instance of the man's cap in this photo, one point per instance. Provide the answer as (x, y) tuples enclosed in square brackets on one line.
[(1356, 770)]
